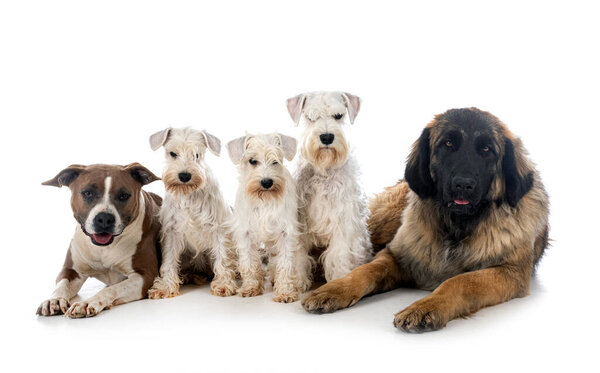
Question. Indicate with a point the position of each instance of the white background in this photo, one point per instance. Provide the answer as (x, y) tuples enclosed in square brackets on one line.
[(84, 82)]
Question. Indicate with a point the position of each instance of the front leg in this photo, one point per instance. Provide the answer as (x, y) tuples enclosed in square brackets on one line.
[(68, 284), (292, 266), (167, 284), (250, 266), (463, 295), (346, 251), (123, 292), (223, 284)]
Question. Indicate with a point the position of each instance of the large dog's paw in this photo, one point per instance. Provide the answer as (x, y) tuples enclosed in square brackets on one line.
[(52, 307), (422, 316), (329, 298), (161, 292), (223, 288), (84, 309)]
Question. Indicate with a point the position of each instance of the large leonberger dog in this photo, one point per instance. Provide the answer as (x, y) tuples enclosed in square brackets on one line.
[(469, 222)]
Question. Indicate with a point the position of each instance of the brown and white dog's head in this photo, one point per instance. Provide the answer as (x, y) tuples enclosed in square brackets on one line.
[(323, 143), (184, 152), (105, 198)]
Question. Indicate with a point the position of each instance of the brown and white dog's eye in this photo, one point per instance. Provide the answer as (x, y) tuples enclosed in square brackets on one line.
[(337, 116), (174, 155), (253, 161), (123, 196), (88, 195)]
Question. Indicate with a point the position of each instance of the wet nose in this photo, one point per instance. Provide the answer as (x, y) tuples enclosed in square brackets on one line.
[(463, 184), (104, 222), (327, 138), (184, 177), (266, 183)]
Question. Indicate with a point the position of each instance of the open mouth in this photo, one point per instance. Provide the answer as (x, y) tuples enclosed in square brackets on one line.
[(100, 239)]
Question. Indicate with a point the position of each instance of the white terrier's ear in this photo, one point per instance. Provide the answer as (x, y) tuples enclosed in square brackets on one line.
[(236, 149), (352, 104), (295, 106), (212, 142), (288, 144), (160, 138)]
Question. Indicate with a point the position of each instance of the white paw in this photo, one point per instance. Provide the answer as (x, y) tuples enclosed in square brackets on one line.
[(223, 288), (52, 307), (85, 309)]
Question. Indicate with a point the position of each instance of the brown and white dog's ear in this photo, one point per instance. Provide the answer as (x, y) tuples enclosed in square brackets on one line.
[(288, 144), (236, 149), (66, 176), (159, 138), (517, 170), (417, 173), (212, 143), (352, 104), (140, 173), (295, 106)]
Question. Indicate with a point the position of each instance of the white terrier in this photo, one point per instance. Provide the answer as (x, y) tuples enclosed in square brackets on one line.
[(265, 218), (333, 206), (192, 215)]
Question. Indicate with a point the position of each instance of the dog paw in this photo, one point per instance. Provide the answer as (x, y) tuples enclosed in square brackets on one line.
[(222, 288), (84, 309), (329, 298), (162, 293), (286, 297), (420, 317), (250, 291), (52, 307)]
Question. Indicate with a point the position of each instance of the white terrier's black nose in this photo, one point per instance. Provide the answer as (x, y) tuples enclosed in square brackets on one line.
[(266, 183), (327, 138), (184, 177), (104, 222)]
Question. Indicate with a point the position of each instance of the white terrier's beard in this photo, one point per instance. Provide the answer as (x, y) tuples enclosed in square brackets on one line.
[(256, 191), (175, 186), (325, 157)]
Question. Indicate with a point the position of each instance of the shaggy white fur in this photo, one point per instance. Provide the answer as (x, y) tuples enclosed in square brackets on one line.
[(192, 215), (333, 206), (265, 219)]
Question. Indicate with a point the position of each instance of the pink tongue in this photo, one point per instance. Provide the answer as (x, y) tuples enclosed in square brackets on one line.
[(461, 201), (102, 238)]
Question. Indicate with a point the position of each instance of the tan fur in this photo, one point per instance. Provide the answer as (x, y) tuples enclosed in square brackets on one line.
[(174, 185), (491, 265)]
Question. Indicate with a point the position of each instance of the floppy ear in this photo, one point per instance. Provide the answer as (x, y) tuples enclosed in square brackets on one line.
[(295, 106), (417, 172), (288, 144), (352, 104), (160, 138), (140, 173), (66, 176), (212, 142), (518, 175), (236, 149)]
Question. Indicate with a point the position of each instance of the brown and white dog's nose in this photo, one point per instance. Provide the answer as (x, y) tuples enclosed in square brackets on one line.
[(184, 177), (463, 184), (104, 223), (266, 183), (327, 138)]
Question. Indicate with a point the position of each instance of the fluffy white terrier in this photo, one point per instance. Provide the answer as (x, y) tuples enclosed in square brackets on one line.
[(333, 206), (265, 218), (192, 216)]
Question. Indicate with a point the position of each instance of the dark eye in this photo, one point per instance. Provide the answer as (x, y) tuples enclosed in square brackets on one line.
[(196, 155), (253, 161), (173, 155), (337, 116), (449, 143), (87, 194), (275, 163), (486, 148), (123, 196)]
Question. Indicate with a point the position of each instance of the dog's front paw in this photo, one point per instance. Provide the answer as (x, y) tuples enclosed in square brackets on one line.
[(422, 316), (162, 291), (223, 288), (329, 298), (286, 296), (250, 291), (52, 307), (84, 309)]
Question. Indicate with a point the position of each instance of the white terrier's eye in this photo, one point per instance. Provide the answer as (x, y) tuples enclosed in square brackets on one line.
[(253, 161), (275, 163), (338, 116), (173, 155), (196, 155)]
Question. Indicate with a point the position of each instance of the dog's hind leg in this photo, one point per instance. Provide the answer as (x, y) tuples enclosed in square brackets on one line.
[(380, 275)]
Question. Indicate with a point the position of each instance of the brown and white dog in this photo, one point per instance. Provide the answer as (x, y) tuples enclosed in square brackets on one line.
[(116, 239)]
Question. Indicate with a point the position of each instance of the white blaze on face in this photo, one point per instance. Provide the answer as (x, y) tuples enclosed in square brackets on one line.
[(104, 205)]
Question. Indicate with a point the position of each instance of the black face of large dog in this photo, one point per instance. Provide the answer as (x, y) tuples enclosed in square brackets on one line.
[(459, 160)]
